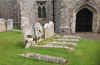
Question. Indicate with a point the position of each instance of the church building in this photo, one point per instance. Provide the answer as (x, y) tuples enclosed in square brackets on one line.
[(70, 16)]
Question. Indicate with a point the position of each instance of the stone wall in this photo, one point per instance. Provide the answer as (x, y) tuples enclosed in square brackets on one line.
[(63, 13), (49, 11), (59, 14), (27, 15), (9, 9), (66, 10)]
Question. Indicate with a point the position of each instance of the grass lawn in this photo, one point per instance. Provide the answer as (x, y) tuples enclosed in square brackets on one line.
[(11, 43)]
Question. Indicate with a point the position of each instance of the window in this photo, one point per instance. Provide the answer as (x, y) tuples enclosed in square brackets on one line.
[(44, 12), (41, 9), (39, 12)]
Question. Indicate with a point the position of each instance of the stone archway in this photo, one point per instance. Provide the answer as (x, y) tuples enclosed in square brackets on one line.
[(84, 19), (94, 19)]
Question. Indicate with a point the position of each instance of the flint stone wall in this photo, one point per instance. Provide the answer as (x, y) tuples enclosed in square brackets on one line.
[(66, 10)]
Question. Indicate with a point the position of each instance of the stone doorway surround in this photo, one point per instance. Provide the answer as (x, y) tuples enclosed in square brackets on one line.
[(84, 20), (95, 17)]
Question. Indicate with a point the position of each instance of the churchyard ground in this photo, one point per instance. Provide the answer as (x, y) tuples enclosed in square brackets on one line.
[(87, 52)]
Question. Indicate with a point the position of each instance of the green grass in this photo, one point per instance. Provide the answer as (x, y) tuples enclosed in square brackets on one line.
[(11, 44)]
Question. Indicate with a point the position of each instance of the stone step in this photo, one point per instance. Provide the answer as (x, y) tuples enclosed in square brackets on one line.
[(67, 40), (52, 46), (63, 43), (74, 37), (69, 37)]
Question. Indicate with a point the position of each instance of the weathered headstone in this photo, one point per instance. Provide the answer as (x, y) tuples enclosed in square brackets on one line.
[(38, 32), (46, 30), (49, 29), (2, 25), (10, 24)]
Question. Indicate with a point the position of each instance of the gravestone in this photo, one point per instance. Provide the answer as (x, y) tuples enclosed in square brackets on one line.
[(49, 29), (10, 24), (46, 30), (2, 25), (38, 32)]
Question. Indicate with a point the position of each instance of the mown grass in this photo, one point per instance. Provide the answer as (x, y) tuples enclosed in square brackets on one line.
[(11, 44)]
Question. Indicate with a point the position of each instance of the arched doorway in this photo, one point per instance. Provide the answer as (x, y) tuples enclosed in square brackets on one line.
[(84, 20)]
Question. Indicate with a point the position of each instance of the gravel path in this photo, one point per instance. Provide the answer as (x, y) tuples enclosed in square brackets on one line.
[(89, 36)]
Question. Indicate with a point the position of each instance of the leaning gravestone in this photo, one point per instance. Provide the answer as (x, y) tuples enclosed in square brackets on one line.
[(38, 32), (2, 25), (10, 24)]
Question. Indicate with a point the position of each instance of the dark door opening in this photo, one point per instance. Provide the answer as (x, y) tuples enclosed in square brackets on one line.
[(84, 20)]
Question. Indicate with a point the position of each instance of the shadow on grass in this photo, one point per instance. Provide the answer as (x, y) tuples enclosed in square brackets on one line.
[(97, 57), (20, 44)]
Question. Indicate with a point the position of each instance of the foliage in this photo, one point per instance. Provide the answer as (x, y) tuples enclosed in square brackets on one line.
[(16, 26)]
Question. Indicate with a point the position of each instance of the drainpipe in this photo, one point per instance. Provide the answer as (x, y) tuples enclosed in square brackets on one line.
[(53, 11), (54, 15)]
